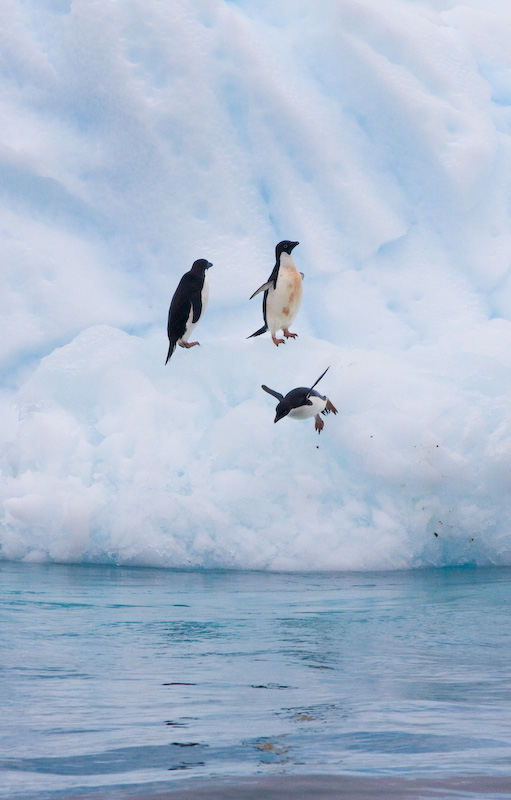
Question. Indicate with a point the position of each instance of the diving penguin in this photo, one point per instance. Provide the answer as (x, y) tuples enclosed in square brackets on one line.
[(188, 305), (303, 403), (282, 294)]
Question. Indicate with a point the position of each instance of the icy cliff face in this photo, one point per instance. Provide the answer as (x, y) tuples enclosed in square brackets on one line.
[(139, 136)]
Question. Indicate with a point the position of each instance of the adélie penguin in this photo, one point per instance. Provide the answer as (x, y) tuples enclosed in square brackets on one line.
[(302, 403), (188, 305), (282, 294)]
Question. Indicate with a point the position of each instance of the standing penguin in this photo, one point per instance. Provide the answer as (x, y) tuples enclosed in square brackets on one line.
[(303, 403), (188, 305), (282, 294)]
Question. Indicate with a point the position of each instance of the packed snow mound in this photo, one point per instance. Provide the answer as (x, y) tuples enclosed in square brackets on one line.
[(138, 137)]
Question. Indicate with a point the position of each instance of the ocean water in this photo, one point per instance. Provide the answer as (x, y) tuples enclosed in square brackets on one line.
[(132, 680)]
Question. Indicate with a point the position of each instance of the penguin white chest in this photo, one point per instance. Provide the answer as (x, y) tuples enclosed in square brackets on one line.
[(283, 302), (190, 324), (304, 412), (204, 294)]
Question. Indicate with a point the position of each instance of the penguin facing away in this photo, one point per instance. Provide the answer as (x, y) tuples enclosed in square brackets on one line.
[(188, 305), (302, 403), (282, 294)]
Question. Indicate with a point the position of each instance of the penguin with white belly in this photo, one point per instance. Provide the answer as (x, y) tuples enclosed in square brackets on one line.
[(302, 403), (188, 305), (282, 294)]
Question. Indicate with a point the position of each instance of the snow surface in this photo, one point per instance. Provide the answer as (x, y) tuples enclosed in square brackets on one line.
[(138, 136)]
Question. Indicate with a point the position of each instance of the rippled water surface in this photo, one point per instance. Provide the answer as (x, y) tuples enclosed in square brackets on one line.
[(137, 677)]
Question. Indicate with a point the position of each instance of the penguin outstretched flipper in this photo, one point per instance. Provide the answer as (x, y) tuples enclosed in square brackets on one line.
[(262, 288), (278, 395), (318, 380), (188, 305)]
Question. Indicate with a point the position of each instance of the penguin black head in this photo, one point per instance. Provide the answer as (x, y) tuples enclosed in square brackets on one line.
[(201, 265), (282, 410), (284, 247), (296, 398)]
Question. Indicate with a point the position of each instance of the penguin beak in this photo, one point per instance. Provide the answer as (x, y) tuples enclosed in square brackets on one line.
[(209, 265)]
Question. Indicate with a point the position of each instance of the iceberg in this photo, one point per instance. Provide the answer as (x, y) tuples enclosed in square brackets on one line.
[(138, 137)]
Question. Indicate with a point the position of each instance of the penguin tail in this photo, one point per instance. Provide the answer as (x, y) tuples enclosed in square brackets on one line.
[(259, 332), (172, 347)]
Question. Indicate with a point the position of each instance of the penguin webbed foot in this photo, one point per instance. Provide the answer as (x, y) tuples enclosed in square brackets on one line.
[(188, 344), (330, 407), (319, 424), (289, 335), (277, 341)]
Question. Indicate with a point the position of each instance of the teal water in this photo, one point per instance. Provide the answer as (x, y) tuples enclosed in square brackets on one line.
[(117, 677)]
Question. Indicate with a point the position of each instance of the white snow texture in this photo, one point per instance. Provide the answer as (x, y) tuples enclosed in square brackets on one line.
[(140, 135)]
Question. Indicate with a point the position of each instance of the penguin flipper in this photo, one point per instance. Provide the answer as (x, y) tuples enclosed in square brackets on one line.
[(263, 288), (259, 332), (196, 306), (318, 380), (278, 395), (271, 282)]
